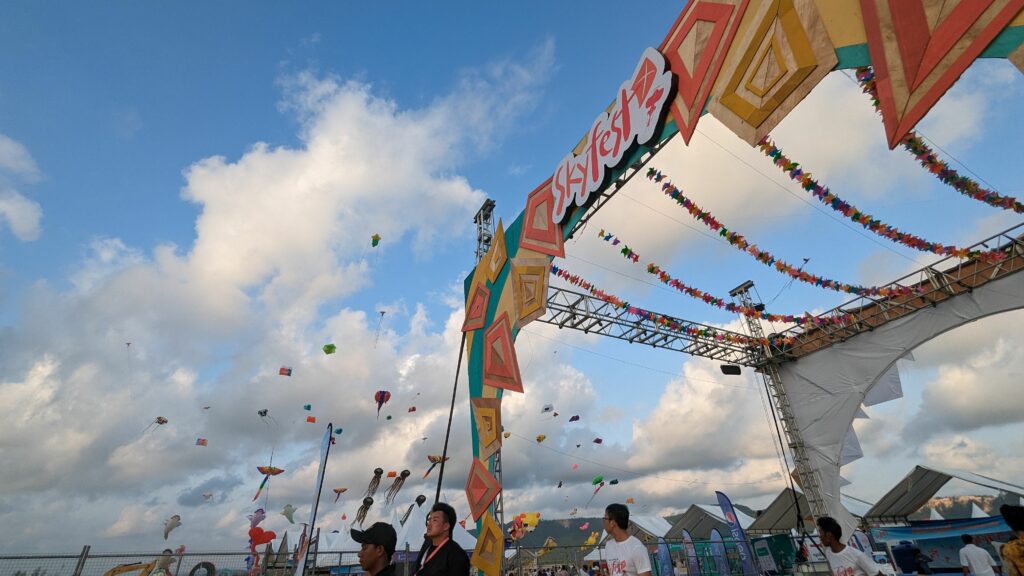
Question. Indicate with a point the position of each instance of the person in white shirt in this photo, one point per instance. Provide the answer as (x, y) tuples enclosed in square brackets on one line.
[(844, 560), (975, 560), (626, 555)]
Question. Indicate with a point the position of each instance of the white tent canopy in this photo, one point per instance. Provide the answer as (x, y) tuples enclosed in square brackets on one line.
[(918, 487), (700, 519), (780, 516), (827, 387)]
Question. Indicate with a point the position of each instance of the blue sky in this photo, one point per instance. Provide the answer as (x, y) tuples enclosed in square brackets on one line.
[(205, 179)]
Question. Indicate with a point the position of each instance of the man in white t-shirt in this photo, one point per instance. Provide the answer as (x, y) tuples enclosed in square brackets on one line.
[(626, 555), (975, 560), (844, 560)]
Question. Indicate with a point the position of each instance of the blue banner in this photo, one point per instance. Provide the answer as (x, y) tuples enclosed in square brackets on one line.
[(718, 551), (742, 545), (692, 563), (664, 559), (930, 530)]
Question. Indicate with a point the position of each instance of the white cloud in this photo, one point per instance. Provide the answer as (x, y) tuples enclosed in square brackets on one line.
[(15, 158), (21, 215)]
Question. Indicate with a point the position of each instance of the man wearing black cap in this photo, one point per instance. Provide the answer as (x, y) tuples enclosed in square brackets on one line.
[(378, 546), (440, 554)]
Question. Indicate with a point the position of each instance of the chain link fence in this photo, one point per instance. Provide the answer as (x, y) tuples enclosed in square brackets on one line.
[(699, 558)]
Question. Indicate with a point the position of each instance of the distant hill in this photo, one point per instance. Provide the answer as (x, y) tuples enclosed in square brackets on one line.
[(960, 506)]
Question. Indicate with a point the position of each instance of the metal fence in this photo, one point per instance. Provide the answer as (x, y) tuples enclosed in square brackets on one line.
[(519, 561)]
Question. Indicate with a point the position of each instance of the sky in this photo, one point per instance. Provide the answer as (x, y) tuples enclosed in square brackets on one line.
[(202, 181)]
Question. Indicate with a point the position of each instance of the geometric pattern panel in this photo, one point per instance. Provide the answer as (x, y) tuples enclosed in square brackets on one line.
[(530, 288), (476, 307), (490, 548), (540, 232), (501, 367), (920, 47), (487, 415), (481, 488), (1017, 57), (780, 58), (695, 48), (495, 258)]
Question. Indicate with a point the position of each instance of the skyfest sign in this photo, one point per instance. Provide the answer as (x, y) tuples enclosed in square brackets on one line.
[(634, 117)]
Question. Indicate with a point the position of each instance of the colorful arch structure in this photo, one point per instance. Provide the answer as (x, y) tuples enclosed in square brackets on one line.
[(748, 63)]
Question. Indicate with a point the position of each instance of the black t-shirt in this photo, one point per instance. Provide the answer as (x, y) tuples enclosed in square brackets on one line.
[(388, 570), (450, 560)]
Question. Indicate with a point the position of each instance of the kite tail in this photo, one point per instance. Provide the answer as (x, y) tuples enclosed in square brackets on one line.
[(429, 470), (260, 489)]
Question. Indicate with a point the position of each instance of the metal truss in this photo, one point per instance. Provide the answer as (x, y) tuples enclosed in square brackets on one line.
[(568, 309), (938, 282)]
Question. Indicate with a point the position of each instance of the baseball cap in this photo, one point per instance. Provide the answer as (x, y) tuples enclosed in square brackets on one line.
[(381, 533)]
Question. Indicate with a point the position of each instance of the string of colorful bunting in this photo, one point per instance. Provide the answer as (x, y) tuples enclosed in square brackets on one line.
[(826, 197), (665, 321), (748, 311), (931, 161), (763, 256)]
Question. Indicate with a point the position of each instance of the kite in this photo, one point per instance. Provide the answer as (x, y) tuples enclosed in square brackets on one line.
[(200, 441), (311, 419), (207, 496), (267, 472), (630, 500), (307, 407), (170, 524), (541, 438), (547, 408), (573, 511), (338, 431), (388, 417), (338, 492), (392, 473), (575, 467), (435, 459), (374, 483), (556, 415), (392, 492), (578, 445), (598, 441), (381, 398), (374, 240), (204, 408), (574, 418), (596, 490), (613, 482), (256, 517), (330, 348), (289, 513), (361, 513), (506, 434), (344, 517), (159, 421), (585, 526), (412, 409), (264, 415), (379, 322), (285, 371), (559, 484), (597, 480)]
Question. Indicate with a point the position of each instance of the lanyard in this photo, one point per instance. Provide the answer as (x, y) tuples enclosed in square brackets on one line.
[(432, 553)]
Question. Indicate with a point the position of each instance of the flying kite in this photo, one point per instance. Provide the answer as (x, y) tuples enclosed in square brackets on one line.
[(585, 526), (374, 240), (381, 398), (388, 417), (159, 421), (207, 496), (575, 467), (264, 415), (547, 408), (541, 438), (289, 513), (338, 492), (506, 434), (392, 473), (338, 431), (200, 441), (344, 516), (559, 484), (412, 409), (596, 490), (285, 371), (597, 480), (311, 419), (256, 517), (374, 483), (330, 348), (555, 415), (361, 513), (307, 407), (574, 418), (630, 500), (379, 322), (614, 481), (598, 441), (435, 459), (267, 472), (392, 492), (573, 511), (170, 524)]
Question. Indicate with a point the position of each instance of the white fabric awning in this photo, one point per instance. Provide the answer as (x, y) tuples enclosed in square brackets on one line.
[(918, 487)]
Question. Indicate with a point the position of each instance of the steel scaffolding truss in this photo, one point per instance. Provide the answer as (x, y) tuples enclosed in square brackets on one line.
[(568, 309)]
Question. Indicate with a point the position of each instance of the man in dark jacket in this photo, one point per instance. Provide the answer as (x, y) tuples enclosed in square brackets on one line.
[(441, 555), (378, 546)]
